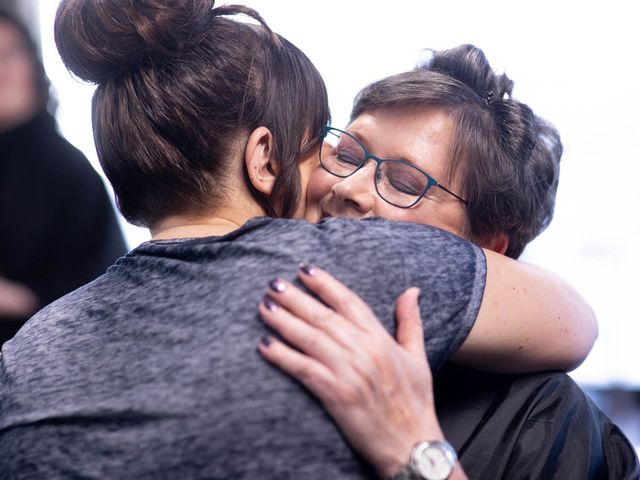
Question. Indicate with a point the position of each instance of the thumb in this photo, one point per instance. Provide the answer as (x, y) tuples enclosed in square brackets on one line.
[(410, 333)]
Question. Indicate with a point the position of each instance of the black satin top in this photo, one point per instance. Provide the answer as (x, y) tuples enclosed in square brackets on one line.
[(537, 426)]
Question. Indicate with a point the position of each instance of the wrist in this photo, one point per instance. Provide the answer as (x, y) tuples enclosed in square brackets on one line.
[(429, 460), (399, 459)]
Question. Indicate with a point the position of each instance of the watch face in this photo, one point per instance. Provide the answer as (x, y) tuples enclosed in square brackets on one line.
[(434, 460)]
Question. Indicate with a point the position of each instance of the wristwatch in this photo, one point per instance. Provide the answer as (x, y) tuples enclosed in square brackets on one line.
[(429, 461)]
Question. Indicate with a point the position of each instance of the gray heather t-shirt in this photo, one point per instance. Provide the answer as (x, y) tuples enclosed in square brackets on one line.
[(151, 371)]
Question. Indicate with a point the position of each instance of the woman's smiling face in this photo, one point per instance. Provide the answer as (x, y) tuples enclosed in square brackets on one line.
[(421, 137)]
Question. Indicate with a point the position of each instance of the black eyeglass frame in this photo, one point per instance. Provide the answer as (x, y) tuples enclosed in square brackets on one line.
[(431, 182)]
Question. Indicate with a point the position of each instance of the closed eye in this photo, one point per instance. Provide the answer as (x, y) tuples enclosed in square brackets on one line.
[(347, 157), (405, 182)]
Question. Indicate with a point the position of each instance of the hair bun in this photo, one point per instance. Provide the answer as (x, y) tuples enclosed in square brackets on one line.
[(101, 38)]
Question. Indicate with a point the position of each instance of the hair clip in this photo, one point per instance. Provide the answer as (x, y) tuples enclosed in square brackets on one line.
[(488, 98)]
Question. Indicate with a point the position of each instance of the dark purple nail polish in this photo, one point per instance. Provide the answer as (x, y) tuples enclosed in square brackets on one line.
[(307, 269), (265, 341), (277, 285), (270, 304)]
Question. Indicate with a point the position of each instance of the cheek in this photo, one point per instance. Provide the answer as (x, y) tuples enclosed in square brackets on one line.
[(320, 183), (446, 217), (21, 73), (388, 211), (18, 88)]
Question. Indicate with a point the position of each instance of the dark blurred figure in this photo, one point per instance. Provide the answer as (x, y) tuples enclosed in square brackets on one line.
[(58, 229)]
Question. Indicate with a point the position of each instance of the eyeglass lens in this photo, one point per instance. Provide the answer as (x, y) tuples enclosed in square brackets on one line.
[(396, 181)]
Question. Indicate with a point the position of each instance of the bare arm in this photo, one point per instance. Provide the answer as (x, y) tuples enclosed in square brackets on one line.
[(529, 320)]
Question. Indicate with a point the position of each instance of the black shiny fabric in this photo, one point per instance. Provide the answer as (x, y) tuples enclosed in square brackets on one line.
[(537, 426)]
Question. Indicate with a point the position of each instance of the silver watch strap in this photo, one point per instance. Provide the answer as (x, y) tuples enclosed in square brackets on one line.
[(406, 473), (409, 472)]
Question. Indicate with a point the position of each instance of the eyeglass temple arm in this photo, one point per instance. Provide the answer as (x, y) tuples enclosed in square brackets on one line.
[(451, 193)]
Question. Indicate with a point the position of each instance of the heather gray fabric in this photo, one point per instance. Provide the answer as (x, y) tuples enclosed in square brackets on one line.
[(151, 371)]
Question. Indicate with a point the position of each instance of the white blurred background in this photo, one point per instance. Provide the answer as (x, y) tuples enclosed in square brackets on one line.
[(575, 63)]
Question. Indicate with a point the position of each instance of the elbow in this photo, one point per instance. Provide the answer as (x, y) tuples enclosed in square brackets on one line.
[(586, 334)]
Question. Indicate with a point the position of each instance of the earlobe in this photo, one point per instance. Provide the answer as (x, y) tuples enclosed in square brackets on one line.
[(498, 243), (260, 165)]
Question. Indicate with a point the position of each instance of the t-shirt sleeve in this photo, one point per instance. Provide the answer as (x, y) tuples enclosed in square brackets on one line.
[(451, 273)]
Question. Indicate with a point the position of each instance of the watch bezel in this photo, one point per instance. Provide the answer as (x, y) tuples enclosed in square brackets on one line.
[(443, 447)]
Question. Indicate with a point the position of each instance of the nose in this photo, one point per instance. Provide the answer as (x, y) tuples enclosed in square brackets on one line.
[(355, 194)]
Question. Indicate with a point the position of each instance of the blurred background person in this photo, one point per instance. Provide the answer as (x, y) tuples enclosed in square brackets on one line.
[(58, 226)]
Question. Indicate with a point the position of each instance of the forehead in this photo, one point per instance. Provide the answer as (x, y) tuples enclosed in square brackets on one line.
[(423, 136)]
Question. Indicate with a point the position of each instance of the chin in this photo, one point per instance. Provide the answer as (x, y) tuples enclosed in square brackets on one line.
[(313, 215)]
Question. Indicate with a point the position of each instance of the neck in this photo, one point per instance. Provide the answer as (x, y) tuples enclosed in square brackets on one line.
[(215, 225)]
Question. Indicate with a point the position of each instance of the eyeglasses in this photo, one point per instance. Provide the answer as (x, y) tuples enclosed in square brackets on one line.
[(397, 182)]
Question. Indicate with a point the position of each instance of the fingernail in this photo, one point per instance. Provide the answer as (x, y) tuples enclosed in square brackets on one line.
[(277, 285), (270, 304), (307, 269), (265, 341)]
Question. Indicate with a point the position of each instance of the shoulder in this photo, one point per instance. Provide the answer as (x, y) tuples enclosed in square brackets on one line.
[(68, 321), (383, 233), (416, 249)]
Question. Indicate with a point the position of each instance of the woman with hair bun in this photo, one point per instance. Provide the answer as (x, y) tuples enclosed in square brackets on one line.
[(208, 128)]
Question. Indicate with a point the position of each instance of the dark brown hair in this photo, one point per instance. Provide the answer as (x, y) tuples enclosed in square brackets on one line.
[(179, 85), (508, 157), (43, 84)]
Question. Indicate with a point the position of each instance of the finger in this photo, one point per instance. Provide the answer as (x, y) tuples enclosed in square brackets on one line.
[(301, 335), (300, 303), (339, 297), (410, 331), (311, 373), (310, 310)]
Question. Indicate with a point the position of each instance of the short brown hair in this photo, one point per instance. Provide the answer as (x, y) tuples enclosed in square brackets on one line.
[(508, 157), (180, 83)]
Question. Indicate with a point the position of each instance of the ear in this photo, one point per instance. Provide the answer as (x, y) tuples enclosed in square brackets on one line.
[(498, 243), (262, 169)]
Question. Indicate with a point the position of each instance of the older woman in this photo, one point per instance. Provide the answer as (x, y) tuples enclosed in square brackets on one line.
[(203, 123), (454, 120)]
